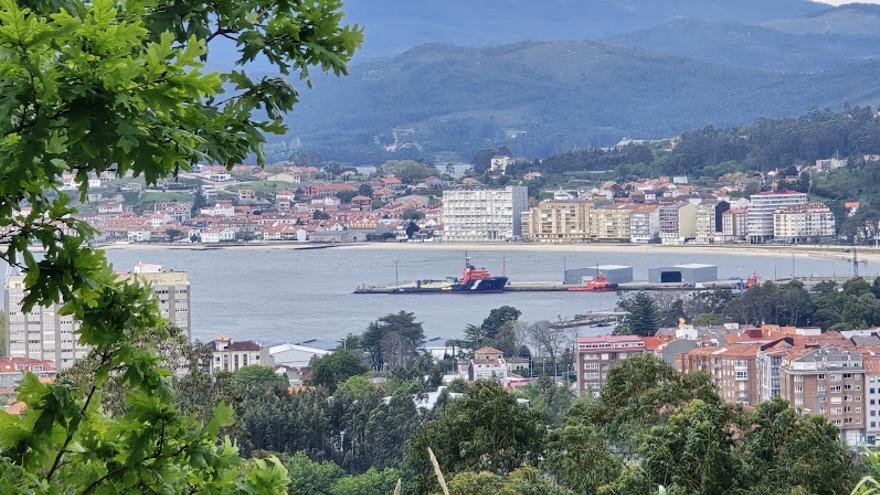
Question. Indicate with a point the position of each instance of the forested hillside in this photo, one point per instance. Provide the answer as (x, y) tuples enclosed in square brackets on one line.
[(540, 98)]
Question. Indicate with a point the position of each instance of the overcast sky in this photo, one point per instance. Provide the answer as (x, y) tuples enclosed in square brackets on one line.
[(841, 2)]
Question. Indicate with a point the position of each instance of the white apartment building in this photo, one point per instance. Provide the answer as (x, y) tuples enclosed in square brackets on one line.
[(803, 222), (45, 334), (872, 401), (644, 223), (484, 215), (761, 209)]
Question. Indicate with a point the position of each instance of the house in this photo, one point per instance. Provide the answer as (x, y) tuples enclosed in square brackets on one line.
[(215, 234), (247, 195), (221, 209), (487, 364), (229, 355)]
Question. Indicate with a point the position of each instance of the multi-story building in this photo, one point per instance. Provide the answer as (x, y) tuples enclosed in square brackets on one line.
[(803, 222), (228, 355), (704, 228), (872, 400), (677, 223), (171, 289), (45, 334), (734, 224), (761, 209), (610, 223), (595, 355), (733, 369), (558, 221), (828, 381), (644, 223), (483, 215)]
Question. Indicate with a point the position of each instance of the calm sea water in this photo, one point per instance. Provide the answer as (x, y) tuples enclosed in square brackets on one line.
[(278, 295)]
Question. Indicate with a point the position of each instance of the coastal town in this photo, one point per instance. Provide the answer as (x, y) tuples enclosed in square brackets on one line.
[(215, 206)]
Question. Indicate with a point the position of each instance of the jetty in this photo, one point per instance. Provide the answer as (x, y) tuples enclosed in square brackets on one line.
[(545, 286)]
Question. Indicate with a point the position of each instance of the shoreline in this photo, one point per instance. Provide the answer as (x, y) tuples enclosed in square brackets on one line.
[(835, 252)]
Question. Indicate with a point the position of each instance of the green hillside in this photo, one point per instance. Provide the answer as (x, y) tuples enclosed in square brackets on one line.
[(541, 98)]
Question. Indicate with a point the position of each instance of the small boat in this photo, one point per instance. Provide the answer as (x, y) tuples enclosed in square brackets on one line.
[(600, 284)]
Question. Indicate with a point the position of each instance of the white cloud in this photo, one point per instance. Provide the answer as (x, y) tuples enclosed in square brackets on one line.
[(841, 2)]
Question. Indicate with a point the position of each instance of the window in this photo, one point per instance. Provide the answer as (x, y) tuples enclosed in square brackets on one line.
[(798, 378), (799, 390)]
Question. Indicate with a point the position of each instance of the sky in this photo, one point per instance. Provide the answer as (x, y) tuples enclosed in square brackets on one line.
[(841, 2)]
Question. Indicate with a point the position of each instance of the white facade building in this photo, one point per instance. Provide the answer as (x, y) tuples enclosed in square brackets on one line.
[(484, 215), (45, 334), (801, 222), (761, 209)]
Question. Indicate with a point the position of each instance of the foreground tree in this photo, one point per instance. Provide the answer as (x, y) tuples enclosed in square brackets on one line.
[(90, 87), (485, 430)]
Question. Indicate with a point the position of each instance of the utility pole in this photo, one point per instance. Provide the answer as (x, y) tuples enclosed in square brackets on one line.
[(396, 271)]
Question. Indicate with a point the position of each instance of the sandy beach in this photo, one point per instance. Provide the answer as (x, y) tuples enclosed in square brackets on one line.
[(836, 252)]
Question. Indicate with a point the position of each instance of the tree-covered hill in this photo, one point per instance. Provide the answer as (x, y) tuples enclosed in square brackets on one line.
[(853, 19), (753, 46), (393, 26), (540, 98)]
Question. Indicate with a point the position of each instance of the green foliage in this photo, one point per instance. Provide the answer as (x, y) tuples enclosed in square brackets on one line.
[(644, 314), (393, 340), (496, 330), (485, 430), (327, 478), (523, 481), (96, 86), (409, 171), (334, 368)]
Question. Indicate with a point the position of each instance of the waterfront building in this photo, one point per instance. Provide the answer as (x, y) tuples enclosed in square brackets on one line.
[(804, 222), (761, 209), (484, 215), (596, 355), (677, 223), (704, 224), (644, 223), (610, 223), (45, 334), (734, 224), (558, 221)]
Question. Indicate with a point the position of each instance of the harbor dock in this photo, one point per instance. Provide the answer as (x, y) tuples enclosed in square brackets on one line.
[(561, 287)]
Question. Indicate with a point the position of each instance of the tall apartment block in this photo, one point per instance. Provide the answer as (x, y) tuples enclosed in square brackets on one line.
[(761, 209), (45, 334), (484, 215)]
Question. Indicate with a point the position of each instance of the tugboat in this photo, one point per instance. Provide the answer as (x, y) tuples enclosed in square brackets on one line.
[(474, 280), (600, 284)]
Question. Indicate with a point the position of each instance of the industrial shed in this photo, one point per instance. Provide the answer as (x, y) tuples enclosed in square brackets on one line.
[(689, 274), (616, 274)]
